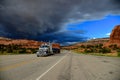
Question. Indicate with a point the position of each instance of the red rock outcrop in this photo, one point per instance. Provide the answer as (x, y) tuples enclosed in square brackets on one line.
[(115, 36), (24, 43)]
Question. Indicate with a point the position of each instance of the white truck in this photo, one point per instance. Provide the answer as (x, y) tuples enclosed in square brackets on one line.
[(48, 49)]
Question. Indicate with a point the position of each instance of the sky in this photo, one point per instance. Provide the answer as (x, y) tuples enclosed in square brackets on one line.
[(63, 21), (97, 28)]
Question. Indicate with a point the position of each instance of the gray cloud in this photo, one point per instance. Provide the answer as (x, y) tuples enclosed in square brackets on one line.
[(94, 9), (34, 18)]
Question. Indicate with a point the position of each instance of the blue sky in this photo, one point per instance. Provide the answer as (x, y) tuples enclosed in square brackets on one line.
[(96, 28)]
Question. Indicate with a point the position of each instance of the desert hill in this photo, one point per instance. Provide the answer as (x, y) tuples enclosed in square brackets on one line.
[(114, 40), (89, 42)]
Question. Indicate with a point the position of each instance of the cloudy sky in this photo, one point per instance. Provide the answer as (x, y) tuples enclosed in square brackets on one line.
[(63, 21)]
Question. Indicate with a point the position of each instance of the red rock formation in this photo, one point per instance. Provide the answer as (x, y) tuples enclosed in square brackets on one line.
[(115, 36), (24, 43)]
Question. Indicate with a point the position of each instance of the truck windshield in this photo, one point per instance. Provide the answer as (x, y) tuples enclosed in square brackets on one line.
[(44, 46)]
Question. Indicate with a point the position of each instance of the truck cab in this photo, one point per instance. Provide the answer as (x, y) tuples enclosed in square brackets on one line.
[(44, 50)]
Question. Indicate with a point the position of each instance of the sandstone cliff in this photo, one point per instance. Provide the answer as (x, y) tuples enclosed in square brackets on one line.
[(115, 35)]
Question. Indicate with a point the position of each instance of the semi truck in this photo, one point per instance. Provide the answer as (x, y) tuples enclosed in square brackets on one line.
[(47, 49)]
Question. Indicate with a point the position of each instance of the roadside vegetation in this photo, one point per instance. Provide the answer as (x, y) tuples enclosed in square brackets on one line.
[(118, 52), (98, 49), (15, 49)]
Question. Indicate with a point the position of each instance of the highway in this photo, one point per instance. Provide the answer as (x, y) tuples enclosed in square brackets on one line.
[(65, 66)]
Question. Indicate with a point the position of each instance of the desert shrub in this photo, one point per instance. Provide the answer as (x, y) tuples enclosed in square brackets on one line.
[(2, 48), (9, 48), (16, 47), (88, 50), (100, 50), (82, 46), (105, 50), (113, 46), (34, 50), (118, 52), (98, 46), (95, 50), (22, 50), (89, 46)]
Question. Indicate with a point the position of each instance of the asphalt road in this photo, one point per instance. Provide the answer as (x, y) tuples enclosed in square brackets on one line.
[(64, 66)]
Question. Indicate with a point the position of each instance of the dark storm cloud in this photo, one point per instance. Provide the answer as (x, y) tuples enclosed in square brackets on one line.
[(25, 18), (33, 19), (65, 37), (116, 2)]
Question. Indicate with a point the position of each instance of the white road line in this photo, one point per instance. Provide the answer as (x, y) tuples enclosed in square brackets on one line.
[(50, 68)]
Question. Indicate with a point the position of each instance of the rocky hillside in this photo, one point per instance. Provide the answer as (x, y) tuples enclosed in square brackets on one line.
[(115, 36), (89, 42), (24, 43)]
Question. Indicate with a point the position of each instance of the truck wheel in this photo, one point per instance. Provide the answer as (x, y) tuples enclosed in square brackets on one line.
[(38, 56)]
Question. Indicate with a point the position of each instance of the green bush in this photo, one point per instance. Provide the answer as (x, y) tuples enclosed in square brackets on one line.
[(34, 50), (88, 50), (22, 50), (100, 45), (105, 50), (118, 52), (89, 46), (15, 49), (113, 46)]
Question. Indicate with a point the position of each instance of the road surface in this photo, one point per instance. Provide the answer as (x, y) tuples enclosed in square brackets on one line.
[(64, 66)]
